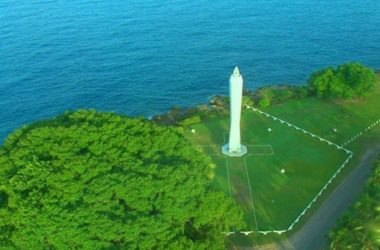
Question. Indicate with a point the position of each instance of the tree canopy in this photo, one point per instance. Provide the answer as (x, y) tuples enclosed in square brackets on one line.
[(349, 80), (91, 180)]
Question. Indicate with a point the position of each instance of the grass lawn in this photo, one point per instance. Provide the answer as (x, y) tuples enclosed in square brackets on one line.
[(322, 116), (272, 200)]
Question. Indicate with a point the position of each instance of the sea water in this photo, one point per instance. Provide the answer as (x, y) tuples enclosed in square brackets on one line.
[(141, 58)]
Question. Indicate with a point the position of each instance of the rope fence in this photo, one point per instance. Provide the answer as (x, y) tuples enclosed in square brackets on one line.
[(350, 155)]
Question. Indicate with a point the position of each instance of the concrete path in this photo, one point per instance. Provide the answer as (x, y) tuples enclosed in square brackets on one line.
[(313, 235)]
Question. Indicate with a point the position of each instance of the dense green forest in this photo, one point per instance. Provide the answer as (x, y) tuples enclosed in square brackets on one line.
[(359, 228), (91, 180)]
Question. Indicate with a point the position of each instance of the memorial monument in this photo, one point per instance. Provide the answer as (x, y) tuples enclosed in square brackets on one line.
[(234, 147)]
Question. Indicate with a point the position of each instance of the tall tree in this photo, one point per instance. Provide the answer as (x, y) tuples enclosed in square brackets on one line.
[(90, 180)]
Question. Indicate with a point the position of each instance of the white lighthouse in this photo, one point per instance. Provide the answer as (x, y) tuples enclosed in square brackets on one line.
[(234, 148)]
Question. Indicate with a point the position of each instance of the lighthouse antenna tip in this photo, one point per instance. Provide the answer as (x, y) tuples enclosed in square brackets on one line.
[(236, 71)]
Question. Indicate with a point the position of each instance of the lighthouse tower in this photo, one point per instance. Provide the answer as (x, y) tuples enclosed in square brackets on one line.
[(234, 148)]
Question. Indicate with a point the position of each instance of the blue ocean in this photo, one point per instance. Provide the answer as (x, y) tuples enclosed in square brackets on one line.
[(141, 58)]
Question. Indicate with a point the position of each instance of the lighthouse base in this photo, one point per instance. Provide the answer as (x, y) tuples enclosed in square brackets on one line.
[(226, 151)]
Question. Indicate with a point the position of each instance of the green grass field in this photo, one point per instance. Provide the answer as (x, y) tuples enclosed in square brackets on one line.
[(272, 200), (321, 116)]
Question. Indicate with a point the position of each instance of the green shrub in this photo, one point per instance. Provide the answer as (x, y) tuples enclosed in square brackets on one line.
[(300, 92), (281, 95), (247, 101), (350, 80), (190, 121), (265, 102)]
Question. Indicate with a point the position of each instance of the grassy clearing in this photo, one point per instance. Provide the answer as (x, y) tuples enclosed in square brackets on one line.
[(307, 161), (322, 116), (271, 200)]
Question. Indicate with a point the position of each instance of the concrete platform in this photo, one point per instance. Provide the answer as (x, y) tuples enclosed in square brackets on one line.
[(243, 151)]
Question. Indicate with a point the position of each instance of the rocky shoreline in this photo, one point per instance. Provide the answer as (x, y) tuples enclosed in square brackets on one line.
[(219, 104)]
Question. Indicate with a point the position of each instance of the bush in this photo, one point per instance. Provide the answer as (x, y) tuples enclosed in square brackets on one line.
[(247, 101), (350, 80), (265, 102), (281, 95), (266, 92), (190, 121), (300, 92)]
